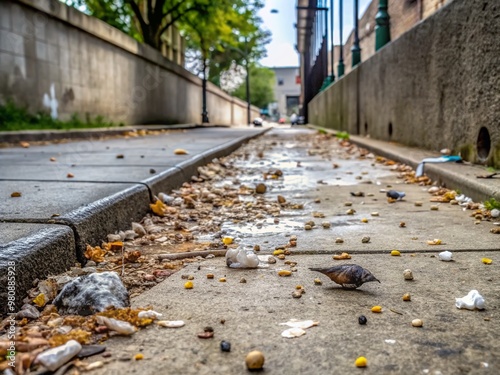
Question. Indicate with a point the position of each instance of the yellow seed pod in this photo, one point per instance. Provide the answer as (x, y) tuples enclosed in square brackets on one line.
[(395, 253), (284, 273), (318, 281), (210, 275), (189, 285), (487, 260), (406, 297), (278, 252), (222, 279), (227, 240), (40, 300), (139, 356), (377, 309), (298, 287), (361, 362), (364, 220)]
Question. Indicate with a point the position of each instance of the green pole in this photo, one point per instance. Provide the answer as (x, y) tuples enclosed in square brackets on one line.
[(356, 50), (382, 29), (340, 66)]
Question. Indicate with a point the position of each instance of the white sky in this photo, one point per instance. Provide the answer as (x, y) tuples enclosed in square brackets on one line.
[(281, 50)]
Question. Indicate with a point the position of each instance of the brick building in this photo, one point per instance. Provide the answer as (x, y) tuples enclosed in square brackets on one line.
[(404, 14)]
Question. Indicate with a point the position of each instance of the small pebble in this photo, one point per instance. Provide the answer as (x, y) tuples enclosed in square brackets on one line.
[(365, 239), (348, 204), (350, 211), (326, 224), (225, 346), (434, 207), (255, 360), (364, 220), (260, 188), (417, 323), (402, 224), (318, 281), (375, 214), (362, 320), (222, 279), (418, 204), (271, 260), (256, 248), (339, 240), (407, 274), (307, 227), (297, 294), (406, 297), (243, 280), (210, 276)]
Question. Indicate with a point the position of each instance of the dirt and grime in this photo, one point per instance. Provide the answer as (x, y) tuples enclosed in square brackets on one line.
[(317, 189)]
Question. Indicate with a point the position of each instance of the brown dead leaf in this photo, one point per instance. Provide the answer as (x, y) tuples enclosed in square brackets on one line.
[(70, 175), (159, 208), (180, 151), (132, 256), (95, 253), (15, 194)]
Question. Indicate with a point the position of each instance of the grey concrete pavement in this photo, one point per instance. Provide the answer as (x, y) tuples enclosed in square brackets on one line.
[(451, 341), (106, 193)]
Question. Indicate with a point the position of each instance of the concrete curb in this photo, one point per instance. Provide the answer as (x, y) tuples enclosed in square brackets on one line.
[(45, 252), (60, 247), (479, 190)]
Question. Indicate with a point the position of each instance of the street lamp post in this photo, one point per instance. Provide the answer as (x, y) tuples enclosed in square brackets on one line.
[(356, 50), (204, 113), (332, 64), (341, 67), (247, 83), (382, 30)]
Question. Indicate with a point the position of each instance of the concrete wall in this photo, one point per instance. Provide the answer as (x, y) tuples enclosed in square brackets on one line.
[(436, 86), (51, 53), (404, 14)]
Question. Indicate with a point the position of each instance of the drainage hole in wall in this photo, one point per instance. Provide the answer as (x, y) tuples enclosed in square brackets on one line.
[(366, 128), (390, 129), (483, 144)]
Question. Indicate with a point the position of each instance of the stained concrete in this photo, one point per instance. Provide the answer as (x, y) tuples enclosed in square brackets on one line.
[(451, 341), (105, 195)]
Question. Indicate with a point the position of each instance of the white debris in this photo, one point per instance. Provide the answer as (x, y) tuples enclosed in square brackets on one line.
[(433, 189), (471, 301), (139, 229), (241, 258), (167, 199), (58, 356), (171, 323), (445, 256), (290, 333), (294, 323), (495, 213), (390, 341), (120, 326), (149, 314)]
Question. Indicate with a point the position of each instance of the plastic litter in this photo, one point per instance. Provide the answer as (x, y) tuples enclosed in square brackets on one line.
[(443, 159), (445, 256), (56, 357), (242, 258), (171, 323), (471, 301)]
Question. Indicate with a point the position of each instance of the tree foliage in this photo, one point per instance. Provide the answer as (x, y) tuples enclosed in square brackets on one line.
[(261, 86)]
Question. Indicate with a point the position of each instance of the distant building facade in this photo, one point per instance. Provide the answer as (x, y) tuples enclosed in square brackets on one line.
[(287, 89)]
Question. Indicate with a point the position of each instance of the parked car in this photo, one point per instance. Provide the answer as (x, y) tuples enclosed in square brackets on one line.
[(258, 121)]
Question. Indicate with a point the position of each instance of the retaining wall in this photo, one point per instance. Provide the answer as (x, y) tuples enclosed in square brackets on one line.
[(57, 59), (434, 87)]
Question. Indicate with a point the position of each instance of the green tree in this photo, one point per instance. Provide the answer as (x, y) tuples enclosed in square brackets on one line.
[(261, 86)]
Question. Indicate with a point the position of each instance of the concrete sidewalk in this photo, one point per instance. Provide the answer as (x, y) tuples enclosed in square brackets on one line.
[(45, 231), (249, 314)]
